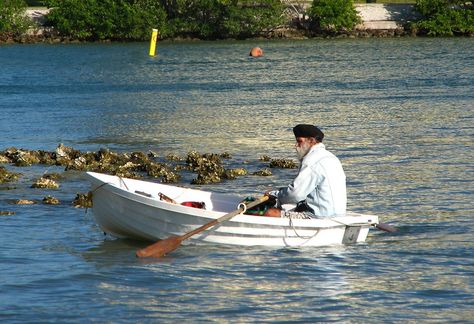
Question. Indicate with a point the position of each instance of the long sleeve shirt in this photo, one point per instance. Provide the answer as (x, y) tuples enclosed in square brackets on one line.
[(320, 182)]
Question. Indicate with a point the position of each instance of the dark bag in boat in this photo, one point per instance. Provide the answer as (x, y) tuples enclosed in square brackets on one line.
[(260, 209), (302, 206), (194, 204)]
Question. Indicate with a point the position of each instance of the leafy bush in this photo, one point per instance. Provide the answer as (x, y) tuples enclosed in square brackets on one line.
[(445, 17), (133, 19), (219, 19), (333, 15), (106, 19), (12, 16), (248, 17)]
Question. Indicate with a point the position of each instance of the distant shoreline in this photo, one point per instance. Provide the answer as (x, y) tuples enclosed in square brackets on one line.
[(378, 20)]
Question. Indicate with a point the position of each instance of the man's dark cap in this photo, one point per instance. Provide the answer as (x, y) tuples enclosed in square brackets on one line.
[(305, 130)]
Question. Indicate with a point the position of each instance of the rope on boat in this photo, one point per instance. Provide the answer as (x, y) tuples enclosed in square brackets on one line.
[(123, 181), (106, 183), (300, 236)]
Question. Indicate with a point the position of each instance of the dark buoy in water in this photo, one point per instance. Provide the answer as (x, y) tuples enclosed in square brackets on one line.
[(256, 52)]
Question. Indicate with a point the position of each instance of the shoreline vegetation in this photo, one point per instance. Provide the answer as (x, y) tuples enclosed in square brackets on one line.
[(66, 21)]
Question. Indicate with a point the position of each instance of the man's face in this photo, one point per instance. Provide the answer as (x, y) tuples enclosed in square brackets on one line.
[(303, 145)]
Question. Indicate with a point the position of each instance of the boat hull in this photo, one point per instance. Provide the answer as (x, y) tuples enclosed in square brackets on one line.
[(127, 208)]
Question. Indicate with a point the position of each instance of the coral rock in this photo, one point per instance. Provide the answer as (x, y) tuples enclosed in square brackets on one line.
[(45, 183)]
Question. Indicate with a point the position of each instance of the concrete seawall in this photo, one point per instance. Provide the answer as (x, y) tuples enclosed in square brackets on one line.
[(377, 16)]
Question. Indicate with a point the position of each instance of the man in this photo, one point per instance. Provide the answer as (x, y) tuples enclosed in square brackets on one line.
[(319, 189)]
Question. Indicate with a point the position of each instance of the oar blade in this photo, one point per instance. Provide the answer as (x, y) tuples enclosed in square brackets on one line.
[(160, 248), (385, 227)]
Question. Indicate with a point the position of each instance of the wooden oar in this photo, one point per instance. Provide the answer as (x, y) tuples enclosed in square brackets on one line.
[(385, 227), (170, 244)]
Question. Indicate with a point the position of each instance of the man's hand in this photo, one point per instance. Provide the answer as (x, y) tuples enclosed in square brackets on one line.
[(273, 194)]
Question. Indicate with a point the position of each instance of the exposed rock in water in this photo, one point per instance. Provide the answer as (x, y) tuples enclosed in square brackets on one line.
[(79, 163), (64, 155), (225, 155), (50, 200), (283, 163), (264, 173), (45, 183), (6, 176), (47, 158), (233, 173), (208, 167), (24, 202), (174, 157), (156, 170), (105, 156), (164, 171), (6, 213), (140, 159), (4, 159), (206, 178), (152, 154), (83, 200), (23, 158)]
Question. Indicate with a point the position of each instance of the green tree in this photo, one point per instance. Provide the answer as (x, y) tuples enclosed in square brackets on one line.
[(13, 17), (220, 19), (333, 15), (106, 19), (248, 18), (445, 17), (136, 20), (133, 19)]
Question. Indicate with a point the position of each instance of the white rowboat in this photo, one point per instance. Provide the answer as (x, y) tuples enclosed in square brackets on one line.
[(129, 208)]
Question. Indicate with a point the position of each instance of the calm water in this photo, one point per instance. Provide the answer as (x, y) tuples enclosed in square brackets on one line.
[(398, 112)]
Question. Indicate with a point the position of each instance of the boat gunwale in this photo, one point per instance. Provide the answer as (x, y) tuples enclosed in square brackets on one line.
[(253, 221)]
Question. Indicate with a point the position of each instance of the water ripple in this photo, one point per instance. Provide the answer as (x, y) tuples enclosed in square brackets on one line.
[(398, 112)]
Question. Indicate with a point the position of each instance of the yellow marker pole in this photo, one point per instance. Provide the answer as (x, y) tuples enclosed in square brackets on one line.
[(154, 37)]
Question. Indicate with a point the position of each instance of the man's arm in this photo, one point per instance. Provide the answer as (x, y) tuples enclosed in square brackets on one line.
[(304, 183)]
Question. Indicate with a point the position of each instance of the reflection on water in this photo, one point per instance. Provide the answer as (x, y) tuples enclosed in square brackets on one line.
[(323, 285), (398, 113)]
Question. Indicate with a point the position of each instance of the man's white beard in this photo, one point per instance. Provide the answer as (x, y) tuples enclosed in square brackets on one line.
[(302, 150)]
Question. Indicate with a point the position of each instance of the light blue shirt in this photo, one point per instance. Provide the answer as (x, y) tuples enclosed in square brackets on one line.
[(320, 181)]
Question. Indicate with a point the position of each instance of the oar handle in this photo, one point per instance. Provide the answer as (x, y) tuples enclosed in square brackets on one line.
[(166, 198)]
